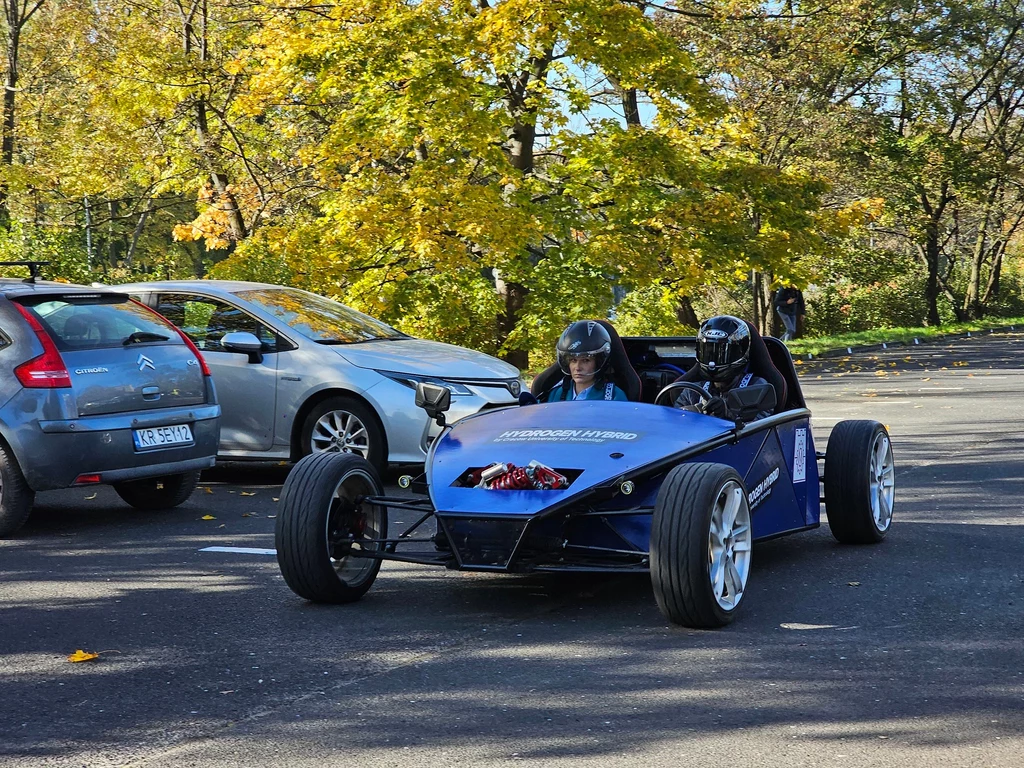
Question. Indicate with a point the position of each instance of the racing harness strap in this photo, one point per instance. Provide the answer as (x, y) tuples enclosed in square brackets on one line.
[(609, 391), (707, 384)]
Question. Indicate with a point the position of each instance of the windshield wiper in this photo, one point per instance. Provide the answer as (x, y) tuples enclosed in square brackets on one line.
[(142, 336)]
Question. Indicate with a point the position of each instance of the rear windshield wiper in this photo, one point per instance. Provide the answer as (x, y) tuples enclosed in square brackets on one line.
[(141, 336)]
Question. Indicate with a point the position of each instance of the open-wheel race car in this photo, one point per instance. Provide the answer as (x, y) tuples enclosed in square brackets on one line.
[(599, 486)]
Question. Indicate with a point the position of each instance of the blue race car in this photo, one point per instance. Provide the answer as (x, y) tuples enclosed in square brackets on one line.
[(602, 487)]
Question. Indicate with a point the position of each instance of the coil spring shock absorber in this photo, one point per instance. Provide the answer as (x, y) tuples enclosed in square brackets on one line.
[(516, 479)]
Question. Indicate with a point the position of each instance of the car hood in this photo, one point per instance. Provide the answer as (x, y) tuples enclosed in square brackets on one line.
[(426, 358), (601, 440)]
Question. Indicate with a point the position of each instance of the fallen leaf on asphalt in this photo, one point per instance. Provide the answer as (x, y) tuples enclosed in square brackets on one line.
[(222, 525), (960, 363), (853, 583), (881, 373), (207, 489), (906, 359), (927, 378), (81, 655), (271, 516), (798, 362), (208, 517), (246, 493), (231, 691), (90, 498), (246, 514), (282, 463), (869, 394), (274, 498)]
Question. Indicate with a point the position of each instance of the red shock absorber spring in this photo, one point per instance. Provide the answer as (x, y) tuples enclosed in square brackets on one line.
[(515, 479)]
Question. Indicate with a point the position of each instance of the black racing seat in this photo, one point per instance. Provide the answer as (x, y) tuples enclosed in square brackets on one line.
[(760, 365), (625, 378)]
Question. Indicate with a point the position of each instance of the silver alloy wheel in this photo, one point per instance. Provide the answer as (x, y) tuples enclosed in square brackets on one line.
[(349, 524), (340, 432), (882, 474), (729, 543)]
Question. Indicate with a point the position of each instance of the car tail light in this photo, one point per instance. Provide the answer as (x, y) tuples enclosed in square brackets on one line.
[(47, 371), (88, 479), (191, 344)]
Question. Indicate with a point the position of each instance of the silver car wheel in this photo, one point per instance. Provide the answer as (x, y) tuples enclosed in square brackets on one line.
[(882, 478), (729, 543), (340, 432)]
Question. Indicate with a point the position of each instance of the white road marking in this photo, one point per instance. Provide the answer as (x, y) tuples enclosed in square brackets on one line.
[(944, 389), (241, 550)]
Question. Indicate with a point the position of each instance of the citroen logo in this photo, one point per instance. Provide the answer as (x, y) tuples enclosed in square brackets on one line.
[(144, 362)]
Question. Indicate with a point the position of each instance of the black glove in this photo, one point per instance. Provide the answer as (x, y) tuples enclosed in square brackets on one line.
[(716, 407), (527, 398)]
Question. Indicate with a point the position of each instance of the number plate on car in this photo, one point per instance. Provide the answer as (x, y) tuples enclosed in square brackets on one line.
[(161, 437)]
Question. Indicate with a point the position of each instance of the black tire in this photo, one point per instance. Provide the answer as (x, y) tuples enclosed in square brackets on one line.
[(859, 482), (156, 493), (682, 555), (16, 498), (345, 408), (318, 497)]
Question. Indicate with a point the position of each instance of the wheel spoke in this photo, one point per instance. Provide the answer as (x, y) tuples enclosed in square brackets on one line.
[(734, 581), (718, 575), (732, 506)]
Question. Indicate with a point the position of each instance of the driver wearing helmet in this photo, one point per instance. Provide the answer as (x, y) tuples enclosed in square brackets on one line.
[(723, 354), (584, 355)]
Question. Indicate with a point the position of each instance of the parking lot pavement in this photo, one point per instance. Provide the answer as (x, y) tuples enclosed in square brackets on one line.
[(903, 654)]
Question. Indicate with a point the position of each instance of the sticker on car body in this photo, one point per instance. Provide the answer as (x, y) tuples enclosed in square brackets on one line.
[(800, 456)]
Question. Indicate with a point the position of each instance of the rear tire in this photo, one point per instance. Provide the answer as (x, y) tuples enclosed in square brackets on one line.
[(859, 482), (701, 542), (156, 493), (319, 522), (16, 498)]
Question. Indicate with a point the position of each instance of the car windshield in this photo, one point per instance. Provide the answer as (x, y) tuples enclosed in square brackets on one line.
[(320, 319)]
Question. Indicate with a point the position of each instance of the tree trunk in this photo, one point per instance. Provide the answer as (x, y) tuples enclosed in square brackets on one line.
[(931, 286), (685, 313), (513, 296), (972, 298), (10, 90), (761, 284)]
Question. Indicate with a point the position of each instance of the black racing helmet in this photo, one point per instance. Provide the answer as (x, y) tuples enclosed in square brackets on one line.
[(584, 338), (723, 347)]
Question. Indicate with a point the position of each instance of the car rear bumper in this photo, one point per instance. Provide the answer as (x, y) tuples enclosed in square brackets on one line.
[(61, 450)]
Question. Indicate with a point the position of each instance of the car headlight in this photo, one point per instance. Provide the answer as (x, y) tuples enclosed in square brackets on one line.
[(411, 380)]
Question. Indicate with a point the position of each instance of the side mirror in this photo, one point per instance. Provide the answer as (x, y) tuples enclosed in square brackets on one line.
[(747, 402), (434, 399), (244, 342)]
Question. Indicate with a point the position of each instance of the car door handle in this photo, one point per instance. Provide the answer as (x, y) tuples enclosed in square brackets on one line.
[(151, 393)]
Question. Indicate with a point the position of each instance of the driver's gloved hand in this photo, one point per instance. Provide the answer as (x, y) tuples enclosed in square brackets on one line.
[(716, 407)]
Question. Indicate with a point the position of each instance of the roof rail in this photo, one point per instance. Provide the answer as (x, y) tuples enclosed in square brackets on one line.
[(33, 268)]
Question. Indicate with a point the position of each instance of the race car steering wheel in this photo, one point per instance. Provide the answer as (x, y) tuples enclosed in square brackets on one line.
[(683, 385)]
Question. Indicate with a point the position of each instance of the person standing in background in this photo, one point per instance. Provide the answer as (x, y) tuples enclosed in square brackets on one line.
[(789, 303)]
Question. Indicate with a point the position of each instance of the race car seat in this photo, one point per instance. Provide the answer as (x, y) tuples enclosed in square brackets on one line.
[(626, 378), (760, 365), (783, 363)]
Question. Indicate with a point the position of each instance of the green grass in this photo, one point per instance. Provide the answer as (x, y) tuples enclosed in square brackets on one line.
[(821, 344)]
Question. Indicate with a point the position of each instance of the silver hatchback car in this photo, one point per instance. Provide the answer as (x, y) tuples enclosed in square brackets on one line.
[(96, 388), (298, 373)]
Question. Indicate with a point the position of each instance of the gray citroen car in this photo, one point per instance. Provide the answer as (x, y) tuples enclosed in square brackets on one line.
[(298, 373), (97, 388)]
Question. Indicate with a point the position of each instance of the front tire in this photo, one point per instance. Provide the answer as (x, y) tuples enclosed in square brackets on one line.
[(322, 521), (701, 543), (16, 498), (156, 493), (344, 425), (859, 482)]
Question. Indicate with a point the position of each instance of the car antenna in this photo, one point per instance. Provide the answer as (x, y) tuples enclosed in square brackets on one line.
[(33, 268)]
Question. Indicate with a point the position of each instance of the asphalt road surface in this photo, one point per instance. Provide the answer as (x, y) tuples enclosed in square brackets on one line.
[(904, 654)]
